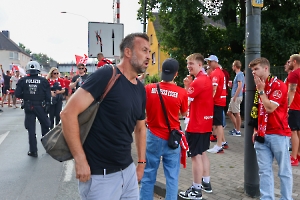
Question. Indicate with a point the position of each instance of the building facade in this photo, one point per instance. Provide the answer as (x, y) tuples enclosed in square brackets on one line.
[(10, 53)]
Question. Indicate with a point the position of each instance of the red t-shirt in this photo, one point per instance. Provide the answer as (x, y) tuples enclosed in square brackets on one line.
[(278, 119), (219, 80), (200, 114), (227, 77), (294, 78), (60, 80), (175, 99), (67, 83), (103, 61)]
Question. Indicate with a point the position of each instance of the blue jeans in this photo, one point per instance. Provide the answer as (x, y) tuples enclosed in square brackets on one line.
[(275, 146), (157, 148)]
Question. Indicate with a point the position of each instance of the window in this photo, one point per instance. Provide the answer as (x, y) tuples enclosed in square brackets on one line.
[(11, 55), (14, 55), (153, 58)]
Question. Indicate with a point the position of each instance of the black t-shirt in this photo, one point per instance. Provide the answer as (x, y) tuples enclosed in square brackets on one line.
[(83, 79), (108, 144), (6, 80)]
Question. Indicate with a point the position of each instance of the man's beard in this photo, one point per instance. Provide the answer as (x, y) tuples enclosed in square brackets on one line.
[(136, 65), (291, 67)]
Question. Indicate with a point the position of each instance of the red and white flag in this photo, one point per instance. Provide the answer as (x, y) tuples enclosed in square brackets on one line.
[(15, 68), (80, 59), (72, 71)]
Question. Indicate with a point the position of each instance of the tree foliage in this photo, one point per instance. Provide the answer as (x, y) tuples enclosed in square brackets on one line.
[(22, 46), (43, 59), (185, 31)]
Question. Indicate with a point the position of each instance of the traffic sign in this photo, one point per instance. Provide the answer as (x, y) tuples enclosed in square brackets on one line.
[(105, 38)]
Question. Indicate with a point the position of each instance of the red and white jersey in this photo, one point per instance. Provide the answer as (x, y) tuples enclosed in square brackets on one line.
[(175, 100), (60, 80), (218, 79), (201, 108), (278, 120), (294, 78)]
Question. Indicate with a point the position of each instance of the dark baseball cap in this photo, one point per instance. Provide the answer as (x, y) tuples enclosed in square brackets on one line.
[(169, 68)]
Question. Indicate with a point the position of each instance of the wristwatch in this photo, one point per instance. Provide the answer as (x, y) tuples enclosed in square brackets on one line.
[(261, 92)]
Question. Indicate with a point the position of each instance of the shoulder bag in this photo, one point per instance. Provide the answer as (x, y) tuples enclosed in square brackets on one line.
[(175, 135), (54, 141)]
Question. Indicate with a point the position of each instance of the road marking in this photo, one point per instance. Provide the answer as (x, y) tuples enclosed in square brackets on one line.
[(3, 136), (68, 165)]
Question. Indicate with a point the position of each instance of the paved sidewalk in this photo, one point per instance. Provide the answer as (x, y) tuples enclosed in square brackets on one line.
[(227, 172)]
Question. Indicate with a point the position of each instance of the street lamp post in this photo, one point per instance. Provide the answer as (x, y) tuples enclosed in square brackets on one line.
[(64, 12)]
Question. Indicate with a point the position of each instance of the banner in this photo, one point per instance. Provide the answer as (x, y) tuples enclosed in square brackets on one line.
[(80, 59)]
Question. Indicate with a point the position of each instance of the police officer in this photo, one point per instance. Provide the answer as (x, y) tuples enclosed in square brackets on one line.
[(35, 92)]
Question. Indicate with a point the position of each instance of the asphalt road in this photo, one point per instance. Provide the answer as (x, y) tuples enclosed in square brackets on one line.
[(26, 178)]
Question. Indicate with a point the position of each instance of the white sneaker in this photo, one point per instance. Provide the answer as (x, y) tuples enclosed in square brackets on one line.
[(216, 149)]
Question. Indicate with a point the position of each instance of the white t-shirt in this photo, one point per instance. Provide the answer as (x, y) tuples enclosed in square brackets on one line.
[(14, 80)]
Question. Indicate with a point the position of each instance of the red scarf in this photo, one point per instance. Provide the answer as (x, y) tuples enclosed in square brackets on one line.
[(263, 115)]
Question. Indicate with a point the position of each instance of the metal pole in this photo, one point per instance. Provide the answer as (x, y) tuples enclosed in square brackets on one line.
[(145, 16), (253, 50), (118, 12)]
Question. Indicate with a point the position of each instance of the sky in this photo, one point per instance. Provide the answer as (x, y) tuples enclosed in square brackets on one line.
[(42, 28)]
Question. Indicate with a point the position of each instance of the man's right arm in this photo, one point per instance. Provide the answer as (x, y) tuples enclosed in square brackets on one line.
[(291, 93), (69, 117), (73, 84)]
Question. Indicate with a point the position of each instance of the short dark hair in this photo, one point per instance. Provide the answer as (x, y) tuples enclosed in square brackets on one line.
[(128, 41), (80, 65), (99, 54), (261, 61)]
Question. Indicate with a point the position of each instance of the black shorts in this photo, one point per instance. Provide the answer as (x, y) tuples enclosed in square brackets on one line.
[(218, 115), (4, 90), (198, 142), (294, 120), (66, 91)]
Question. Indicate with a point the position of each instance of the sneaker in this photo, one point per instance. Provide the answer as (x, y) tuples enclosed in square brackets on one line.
[(216, 149), (206, 187), (213, 138), (225, 145), (235, 133), (191, 193), (294, 162), (232, 131)]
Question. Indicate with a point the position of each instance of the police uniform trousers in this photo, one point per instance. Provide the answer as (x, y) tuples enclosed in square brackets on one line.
[(33, 111)]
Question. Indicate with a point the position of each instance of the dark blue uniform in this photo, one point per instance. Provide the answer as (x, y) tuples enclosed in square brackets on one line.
[(35, 92)]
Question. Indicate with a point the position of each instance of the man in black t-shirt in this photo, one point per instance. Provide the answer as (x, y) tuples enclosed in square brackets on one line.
[(6, 87), (79, 79), (105, 156)]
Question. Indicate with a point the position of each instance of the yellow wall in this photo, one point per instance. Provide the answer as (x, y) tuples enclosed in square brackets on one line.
[(160, 56)]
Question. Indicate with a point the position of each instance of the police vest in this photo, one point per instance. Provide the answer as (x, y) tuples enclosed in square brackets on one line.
[(33, 88)]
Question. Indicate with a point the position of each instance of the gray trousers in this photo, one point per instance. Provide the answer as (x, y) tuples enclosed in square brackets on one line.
[(118, 185)]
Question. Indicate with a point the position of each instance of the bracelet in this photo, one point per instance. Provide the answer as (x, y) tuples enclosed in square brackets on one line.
[(142, 162)]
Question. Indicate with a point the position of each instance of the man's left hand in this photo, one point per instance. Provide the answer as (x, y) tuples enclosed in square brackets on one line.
[(260, 85), (140, 171)]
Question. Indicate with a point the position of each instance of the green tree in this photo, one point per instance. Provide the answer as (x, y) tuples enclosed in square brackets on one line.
[(43, 59), (185, 32), (22, 46)]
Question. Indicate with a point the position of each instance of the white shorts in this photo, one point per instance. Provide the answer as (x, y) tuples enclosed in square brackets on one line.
[(235, 106)]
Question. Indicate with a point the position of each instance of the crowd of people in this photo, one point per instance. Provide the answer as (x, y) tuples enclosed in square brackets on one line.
[(153, 110)]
